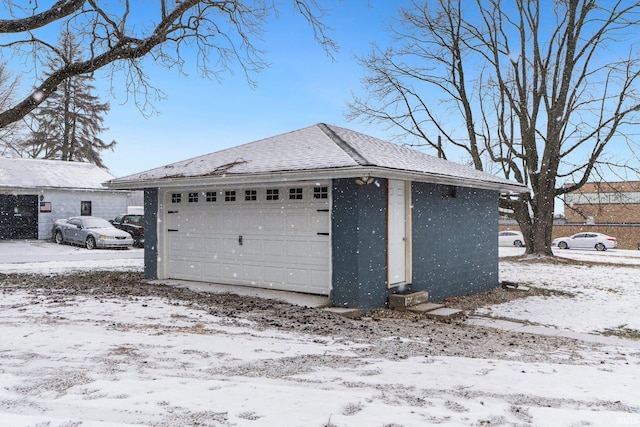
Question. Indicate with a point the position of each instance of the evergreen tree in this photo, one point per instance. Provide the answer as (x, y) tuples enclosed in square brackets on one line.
[(9, 136), (67, 124)]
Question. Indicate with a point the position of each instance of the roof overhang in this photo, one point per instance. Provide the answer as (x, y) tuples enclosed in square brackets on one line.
[(313, 175), (9, 190)]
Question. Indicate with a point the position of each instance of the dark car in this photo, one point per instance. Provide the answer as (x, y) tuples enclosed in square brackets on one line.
[(132, 224)]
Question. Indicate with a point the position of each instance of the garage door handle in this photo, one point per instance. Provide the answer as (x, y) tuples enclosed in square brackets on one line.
[(322, 234), (240, 240)]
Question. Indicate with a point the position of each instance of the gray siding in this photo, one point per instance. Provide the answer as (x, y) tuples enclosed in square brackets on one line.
[(151, 209), (359, 244), (455, 244)]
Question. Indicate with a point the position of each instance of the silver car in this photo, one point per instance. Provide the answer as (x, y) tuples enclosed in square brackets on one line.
[(91, 232), (598, 241)]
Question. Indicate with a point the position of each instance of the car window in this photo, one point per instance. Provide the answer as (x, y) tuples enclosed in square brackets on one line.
[(579, 236), (76, 222), (133, 219), (96, 223), (118, 218)]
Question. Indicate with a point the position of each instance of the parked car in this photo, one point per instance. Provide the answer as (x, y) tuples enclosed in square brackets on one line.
[(510, 238), (132, 224), (599, 241), (91, 232)]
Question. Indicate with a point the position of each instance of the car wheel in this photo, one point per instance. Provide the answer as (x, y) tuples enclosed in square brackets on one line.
[(601, 247), (58, 237), (517, 244), (91, 242), (563, 245)]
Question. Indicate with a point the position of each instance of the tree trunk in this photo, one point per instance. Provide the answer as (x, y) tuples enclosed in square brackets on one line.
[(543, 207)]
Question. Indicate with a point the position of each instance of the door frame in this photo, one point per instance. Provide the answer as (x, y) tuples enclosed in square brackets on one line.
[(408, 235)]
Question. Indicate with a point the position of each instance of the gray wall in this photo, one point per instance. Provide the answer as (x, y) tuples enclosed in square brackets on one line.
[(359, 244), (151, 207), (455, 244)]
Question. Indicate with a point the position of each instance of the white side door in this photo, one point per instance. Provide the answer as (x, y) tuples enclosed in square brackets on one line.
[(398, 233)]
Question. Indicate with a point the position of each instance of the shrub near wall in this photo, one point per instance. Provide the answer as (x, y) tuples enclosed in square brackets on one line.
[(628, 235)]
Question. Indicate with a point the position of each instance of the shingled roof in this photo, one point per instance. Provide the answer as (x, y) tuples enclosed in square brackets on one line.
[(316, 152), (37, 173)]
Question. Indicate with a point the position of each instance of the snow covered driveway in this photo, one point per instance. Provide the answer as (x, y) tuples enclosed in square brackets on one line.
[(46, 257)]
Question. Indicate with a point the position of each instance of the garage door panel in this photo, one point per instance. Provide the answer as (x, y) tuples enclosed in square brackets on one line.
[(266, 222), (180, 244), (320, 222), (213, 222), (252, 273), (273, 248), (251, 246), (230, 246), (196, 244), (297, 223), (280, 249), (273, 222), (274, 275), (297, 249), (298, 276), (317, 250), (231, 221), (211, 269), (230, 272), (318, 278), (189, 269)]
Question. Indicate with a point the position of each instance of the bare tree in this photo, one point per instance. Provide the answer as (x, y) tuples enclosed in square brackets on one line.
[(222, 34), (536, 90)]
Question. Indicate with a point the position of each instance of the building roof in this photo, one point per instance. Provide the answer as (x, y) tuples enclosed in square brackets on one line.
[(37, 173), (316, 152)]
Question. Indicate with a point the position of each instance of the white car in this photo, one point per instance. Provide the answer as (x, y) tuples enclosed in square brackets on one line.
[(598, 241), (510, 238)]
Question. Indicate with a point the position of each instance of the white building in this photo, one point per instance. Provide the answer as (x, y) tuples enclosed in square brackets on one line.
[(35, 193)]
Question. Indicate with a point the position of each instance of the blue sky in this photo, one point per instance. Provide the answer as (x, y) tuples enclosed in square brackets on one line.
[(302, 87)]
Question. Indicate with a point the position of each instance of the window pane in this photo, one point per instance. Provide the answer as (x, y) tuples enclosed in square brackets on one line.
[(295, 194)]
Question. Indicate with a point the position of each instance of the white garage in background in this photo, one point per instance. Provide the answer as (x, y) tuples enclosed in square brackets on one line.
[(272, 237)]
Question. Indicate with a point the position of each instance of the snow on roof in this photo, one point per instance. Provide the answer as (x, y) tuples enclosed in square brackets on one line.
[(37, 173), (318, 147)]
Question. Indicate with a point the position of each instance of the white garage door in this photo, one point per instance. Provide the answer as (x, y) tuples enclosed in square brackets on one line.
[(275, 238)]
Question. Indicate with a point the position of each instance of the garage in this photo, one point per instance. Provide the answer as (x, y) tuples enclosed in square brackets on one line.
[(34, 193), (269, 237), (323, 210), (18, 216)]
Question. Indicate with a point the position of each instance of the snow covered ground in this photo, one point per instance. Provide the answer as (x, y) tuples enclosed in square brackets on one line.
[(46, 257), (87, 361)]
